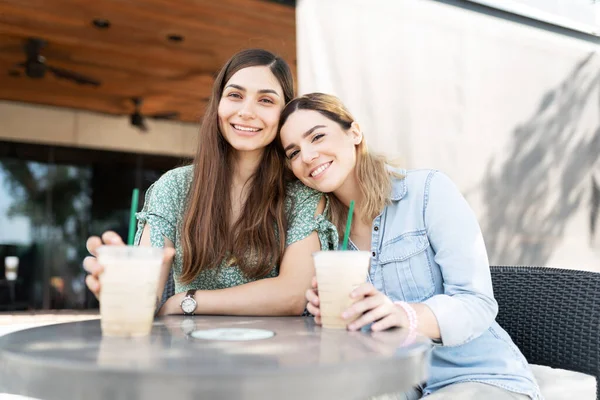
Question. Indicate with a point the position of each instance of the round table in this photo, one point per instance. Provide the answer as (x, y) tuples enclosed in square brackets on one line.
[(299, 361)]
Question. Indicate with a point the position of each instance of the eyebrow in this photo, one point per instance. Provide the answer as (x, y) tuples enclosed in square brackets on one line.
[(305, 134), (238, 87)]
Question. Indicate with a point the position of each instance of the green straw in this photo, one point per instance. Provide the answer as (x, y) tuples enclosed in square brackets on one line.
[(348, 224), (134, 205)]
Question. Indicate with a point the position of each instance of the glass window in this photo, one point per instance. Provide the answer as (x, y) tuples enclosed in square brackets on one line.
[(51, 200)]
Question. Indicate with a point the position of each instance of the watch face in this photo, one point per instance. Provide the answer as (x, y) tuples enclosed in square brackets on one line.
[(188, 305)]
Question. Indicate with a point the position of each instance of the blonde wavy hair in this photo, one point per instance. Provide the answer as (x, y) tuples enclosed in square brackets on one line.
[(372, 173)]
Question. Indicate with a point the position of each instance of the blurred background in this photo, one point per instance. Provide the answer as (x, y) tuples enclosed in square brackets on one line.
[(99, 97)]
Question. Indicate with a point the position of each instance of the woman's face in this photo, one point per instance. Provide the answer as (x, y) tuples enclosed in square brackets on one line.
[(320, 153), (249, 108)]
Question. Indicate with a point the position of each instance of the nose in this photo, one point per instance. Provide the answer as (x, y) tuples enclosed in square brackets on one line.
[(246, 111), (308, 155)]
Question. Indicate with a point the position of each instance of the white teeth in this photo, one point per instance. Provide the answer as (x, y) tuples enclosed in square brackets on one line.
[(320, 169), (245, 129)]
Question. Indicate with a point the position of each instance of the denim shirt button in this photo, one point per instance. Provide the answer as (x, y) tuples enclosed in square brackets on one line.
[(373, 254), (376, 228)]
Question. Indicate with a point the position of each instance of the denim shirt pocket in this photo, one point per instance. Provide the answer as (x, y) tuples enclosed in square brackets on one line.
[(406, 267)]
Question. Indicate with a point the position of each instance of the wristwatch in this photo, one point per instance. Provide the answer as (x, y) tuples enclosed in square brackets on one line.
[(188, 304)]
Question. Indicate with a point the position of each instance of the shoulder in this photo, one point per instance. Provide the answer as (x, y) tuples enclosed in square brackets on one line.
[(166, 197), (420, 178), (172, 187), (174, 181), (419, 183), (432, 186), (181, 176), (298, 193)]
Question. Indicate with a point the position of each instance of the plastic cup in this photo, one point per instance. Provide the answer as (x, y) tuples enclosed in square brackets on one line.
[(128, 289), (11, 265), (338, 274)]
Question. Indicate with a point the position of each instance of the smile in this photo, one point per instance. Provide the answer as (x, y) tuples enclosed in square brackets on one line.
[(245, 128), (320, 169)]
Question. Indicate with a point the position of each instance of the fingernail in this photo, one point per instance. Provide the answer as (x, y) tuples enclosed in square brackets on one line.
[(352, 327), (345, 314)]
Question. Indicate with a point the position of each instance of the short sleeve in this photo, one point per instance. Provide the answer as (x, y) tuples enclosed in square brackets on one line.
[(163, 207), (301, 207)]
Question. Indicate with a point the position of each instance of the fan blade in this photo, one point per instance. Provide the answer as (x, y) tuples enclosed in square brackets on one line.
[(136, 119), (142, 126), (73, 76), (165, 115)]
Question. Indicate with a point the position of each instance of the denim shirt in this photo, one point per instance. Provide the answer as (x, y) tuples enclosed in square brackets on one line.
[(427, 247)]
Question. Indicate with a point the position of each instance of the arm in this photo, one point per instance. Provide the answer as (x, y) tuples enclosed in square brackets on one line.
[(281, 295), (467, 307)]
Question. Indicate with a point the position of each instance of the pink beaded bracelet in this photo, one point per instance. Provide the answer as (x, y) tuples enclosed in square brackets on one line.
[(412, 321)]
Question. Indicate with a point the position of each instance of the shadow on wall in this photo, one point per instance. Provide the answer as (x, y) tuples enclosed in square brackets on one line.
[(546, 175)]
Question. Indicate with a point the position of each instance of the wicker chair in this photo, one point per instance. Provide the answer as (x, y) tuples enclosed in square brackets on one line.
[(552, 315)]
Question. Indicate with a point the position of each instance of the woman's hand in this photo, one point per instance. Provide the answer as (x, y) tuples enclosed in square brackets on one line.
[(374, 307), (91, 265), (312, 296)]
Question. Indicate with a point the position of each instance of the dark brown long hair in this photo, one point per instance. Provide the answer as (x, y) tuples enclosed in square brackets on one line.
[(372, 175), (256, 241)]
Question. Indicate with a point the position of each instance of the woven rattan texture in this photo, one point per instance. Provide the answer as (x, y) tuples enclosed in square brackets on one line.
[(552, 315)]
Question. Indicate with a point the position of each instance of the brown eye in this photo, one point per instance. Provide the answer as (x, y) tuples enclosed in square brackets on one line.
[(317, 137)]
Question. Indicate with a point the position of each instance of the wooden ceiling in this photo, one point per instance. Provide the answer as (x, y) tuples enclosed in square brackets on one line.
[(134, 57)]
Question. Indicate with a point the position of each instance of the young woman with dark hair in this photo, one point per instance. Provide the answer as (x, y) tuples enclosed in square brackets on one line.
[(239, 235)]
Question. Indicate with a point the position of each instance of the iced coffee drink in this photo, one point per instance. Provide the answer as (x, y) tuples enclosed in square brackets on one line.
[(128, 289), (338, 273)]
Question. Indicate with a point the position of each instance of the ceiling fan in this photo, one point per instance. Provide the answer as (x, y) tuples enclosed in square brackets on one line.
[(137, 119), (36, 67)]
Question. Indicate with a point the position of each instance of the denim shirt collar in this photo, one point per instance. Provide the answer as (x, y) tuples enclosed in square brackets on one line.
[(399, 188)]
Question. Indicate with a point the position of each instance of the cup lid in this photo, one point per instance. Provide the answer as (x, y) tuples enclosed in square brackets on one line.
[(11, 261)]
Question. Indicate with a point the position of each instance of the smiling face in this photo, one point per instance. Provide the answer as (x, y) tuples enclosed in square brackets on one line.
[(321, 154), (249, 108)]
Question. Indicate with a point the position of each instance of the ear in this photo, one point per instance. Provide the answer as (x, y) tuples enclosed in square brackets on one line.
[(355, 133)]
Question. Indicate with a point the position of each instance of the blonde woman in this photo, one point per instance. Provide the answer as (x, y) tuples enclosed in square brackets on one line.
[(429, 268)]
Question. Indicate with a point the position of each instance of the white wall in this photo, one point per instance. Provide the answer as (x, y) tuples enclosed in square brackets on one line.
[(510, 111), (580, 15), (66, 127)]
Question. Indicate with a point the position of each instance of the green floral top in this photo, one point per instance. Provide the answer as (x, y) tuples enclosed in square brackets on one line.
[(165, 205)]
